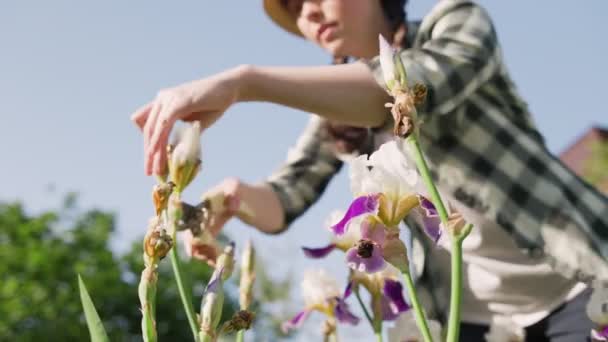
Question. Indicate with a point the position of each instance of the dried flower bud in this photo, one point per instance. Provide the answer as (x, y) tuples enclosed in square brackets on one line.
[(157, 243), (404, 112), (160, 196), (241, 320), (419, 93), (456, 224)]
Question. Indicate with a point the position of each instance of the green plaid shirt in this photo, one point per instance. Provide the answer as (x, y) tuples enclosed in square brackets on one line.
[(481, 144)]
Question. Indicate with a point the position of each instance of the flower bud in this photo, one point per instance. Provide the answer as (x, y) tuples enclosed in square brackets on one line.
[(226, 261), (184, 157), (212, 305), (247, 276)]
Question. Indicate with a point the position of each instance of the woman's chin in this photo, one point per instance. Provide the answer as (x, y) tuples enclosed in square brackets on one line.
[(336, 48)]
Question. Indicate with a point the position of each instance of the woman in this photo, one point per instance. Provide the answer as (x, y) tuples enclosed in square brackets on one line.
[(478, 136)]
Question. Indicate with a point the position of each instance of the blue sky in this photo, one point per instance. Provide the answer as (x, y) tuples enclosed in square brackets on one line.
[(72, 72)]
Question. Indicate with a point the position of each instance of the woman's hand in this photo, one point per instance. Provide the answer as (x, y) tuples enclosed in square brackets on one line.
[(204, 100)]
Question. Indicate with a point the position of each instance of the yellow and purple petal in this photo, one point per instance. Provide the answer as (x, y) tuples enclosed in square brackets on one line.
[(317, 253), (361, 205)]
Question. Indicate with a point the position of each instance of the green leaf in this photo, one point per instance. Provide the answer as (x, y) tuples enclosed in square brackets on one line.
[(96, 329)]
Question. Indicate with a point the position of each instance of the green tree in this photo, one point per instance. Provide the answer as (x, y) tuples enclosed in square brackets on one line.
[(40, 257)]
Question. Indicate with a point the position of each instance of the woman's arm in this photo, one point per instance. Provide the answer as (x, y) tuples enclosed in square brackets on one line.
[(343, 93), (346, 93)]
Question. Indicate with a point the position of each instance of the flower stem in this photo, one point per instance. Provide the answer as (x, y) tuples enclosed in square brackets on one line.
[(379, 334), (174, 212), (367, 315), (186, 299), (428, 181), (418, 310), (240, 335), (456, 286)]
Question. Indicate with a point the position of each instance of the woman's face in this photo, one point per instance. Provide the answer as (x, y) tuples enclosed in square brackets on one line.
[(342, 27)]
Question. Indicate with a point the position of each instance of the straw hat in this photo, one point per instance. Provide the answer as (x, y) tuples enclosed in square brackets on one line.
[(277, 12)]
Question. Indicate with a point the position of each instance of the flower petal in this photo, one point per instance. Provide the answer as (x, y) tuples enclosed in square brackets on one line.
[(348, 290), (374, 231), (432, 228), (428, 206), (343, 314), (361, 205), (393, 291), (387, 62), (372, 264), (295, 322), (317, 253)]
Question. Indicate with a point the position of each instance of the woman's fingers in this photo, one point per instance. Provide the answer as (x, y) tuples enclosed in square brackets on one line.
[(140, 116), (160, 136)]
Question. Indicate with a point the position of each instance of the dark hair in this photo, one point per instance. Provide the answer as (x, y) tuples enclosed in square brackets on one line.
[(395, 12), (346, 138)]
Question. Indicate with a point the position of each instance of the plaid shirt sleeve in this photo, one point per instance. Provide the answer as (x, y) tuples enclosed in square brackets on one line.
[(309, 167)]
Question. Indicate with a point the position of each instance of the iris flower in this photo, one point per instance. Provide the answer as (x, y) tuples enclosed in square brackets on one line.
[(386, 188), (321, 293), (385, 290)]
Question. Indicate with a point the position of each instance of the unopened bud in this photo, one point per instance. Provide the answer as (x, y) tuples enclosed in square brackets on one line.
[(212, 305), (247, 276), (226, 261), (184, 158), (241, 320)]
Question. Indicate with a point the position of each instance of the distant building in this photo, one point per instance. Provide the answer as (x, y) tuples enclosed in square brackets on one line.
[(588, 157)]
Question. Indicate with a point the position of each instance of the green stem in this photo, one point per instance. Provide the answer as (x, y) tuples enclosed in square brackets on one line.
[(456, 287), (240, 335), (184, 295), (367, 315), (428, 181), (418, 310), (379, 333)]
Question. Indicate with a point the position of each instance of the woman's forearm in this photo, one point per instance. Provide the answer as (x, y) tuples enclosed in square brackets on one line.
[(347, 93), (264, 204)]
